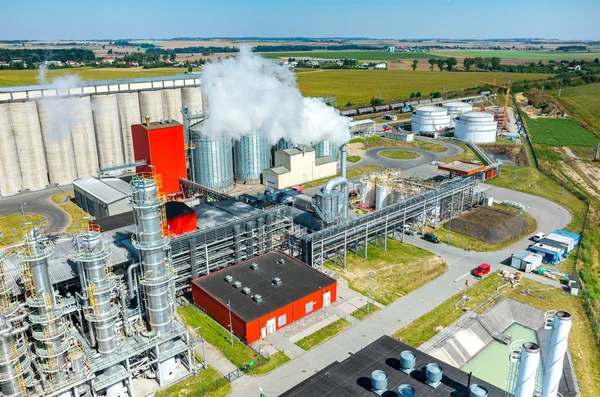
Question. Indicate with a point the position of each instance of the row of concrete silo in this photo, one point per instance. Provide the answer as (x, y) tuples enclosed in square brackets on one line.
[(56, 140)]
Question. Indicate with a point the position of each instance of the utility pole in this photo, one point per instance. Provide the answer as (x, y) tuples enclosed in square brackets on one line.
[(597, 156), (513, 181), (559, 91), (230, 326), (369, 290), (450, 221), (521, 224)]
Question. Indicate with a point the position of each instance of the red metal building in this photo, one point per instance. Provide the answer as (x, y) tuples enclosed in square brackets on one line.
[(263, 294), (162, 146), (180, 218)]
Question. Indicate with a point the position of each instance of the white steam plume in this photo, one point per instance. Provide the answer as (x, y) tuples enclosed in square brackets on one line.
[(42, 71), (250, 93), (63, 113)]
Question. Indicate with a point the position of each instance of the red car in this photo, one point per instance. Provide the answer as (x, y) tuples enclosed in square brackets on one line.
[(481, 270)]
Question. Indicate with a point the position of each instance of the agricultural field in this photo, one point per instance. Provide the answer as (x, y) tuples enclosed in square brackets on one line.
[(583, 102), (30, 77), (360, 86), (560, 132), (358, 55), (519, 54)]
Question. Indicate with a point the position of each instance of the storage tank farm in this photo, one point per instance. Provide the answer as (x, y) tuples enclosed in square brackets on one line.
[(377, 191), (53, 134), (430, 119), (455, 109), (252, 155), (476, 127)]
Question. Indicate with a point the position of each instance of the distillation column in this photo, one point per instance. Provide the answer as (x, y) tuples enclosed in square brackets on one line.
[(48, 328), (94, 257), (15, 367), (156, 277)]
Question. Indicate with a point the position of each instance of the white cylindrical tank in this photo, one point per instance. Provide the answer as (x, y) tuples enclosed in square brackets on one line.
[(381, 194), (10, 173), (553, 368), (430, 119), (30, 148), (108, 131), (455, 109), (366, 192), (56, 120), (529, 362), (397, 196), (476, 127), (129, 114), (151, 104), (192, 99), (172, 105), (83, 135)]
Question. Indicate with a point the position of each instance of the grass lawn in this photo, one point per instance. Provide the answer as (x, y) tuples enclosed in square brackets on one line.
[(584, 351), (323, 334), (359, 86), (13, 228), (463, 241), (377, 141), (79, 218), (413, 265), (358, 55), (29, 77), (361, 312), (466, 155), (583, 102), (208, 383), (218, 336), (353, 159), (399, 154), (353, 173), (560, 132), (506, 54)]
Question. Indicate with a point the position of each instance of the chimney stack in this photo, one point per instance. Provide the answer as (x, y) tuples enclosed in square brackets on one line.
[(147, 120), (561, 326), (529, 363)]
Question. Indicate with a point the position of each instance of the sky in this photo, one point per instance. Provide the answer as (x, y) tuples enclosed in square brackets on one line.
[(399, 19)]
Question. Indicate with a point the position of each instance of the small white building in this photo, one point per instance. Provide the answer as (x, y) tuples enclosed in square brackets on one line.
[(401, 136), (526, 261), (381, 65), (297, 166), (391, 48)]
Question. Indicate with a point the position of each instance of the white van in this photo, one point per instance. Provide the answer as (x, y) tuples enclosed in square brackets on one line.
[(538, 237)]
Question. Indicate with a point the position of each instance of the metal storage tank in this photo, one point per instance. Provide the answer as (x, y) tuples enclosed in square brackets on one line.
[(430, 119), (55, 117), (397, 196), (381, 193), (476, 127), (151, 104), (213, 160), (252, 154), (105, 110), (30, 150), (83, 135), (10, 173), (455, 109), (129, 114), (171, 99), (326, 148), (366, 192), (192, 99)]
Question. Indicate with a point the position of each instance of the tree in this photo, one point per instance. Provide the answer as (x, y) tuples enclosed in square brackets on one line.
[(495, 62), (450, 63), (440, 63), (412, 94), (102, 46), (165, 57), (190, 68), (172, 56), (349, 104), (110, 51), (467, 63), (596, 60), (376, 101), (478, 61), (414, 64), (432, 63), (487, 62), (418, 94)]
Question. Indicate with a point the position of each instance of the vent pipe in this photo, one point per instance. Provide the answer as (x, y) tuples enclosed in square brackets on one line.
[(529, 362), (405, 390), (477, 391), (434, 373), (561, 326), (147, 118), (408, 360), (379, 380), (343, 151)]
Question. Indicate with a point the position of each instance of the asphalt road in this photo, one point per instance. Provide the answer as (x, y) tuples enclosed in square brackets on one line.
[(39, 203), (549, 216)]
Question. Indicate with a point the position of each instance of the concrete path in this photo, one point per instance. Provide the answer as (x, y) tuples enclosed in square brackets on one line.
[(216, 359), (390, 319)]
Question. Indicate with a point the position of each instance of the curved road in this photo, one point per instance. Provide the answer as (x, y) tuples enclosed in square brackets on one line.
[(549, 215), (39, 203)]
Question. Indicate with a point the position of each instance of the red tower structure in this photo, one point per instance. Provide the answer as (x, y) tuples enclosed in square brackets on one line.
[(162, 146)]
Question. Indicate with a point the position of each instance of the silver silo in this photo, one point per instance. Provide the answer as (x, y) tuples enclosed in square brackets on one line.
[(252, 156), (153, 244), (213, 160), (326, 148)]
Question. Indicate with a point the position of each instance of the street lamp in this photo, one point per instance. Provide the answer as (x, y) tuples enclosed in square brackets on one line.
[(521, 223), (230, 327), (369, 290)]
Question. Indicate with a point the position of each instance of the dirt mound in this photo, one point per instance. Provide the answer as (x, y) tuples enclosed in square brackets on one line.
[(489, 224), (537, 103), (514, 152)]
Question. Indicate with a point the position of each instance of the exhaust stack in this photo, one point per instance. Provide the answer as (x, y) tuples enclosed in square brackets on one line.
[(561, 326), (530, 360)]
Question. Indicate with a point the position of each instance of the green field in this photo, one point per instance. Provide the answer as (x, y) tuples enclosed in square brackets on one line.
[(505, 54), (584, 102), (560, 132), (359, 86), (29, 77), (359, 55)]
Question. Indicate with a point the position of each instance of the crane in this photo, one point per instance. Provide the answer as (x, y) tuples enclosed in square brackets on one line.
[(506, 95)]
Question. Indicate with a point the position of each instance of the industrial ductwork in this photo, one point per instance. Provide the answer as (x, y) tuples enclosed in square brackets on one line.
[(330, 204)]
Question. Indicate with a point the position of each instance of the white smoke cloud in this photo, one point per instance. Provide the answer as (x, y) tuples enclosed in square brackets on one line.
[(250, 93), (42, 71), (62, 113)]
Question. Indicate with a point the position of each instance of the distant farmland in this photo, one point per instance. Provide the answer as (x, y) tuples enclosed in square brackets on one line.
[(519, 54), (359, 55), (359, 86)]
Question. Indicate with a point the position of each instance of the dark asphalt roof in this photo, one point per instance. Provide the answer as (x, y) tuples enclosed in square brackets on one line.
[(115, 221), (297, 280), (176, 209), (352, 377)]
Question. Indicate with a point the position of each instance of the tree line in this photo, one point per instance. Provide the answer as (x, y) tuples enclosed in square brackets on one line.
[(31, 56)]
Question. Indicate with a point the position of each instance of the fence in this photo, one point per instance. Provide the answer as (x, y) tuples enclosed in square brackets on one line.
[(567, 184)]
